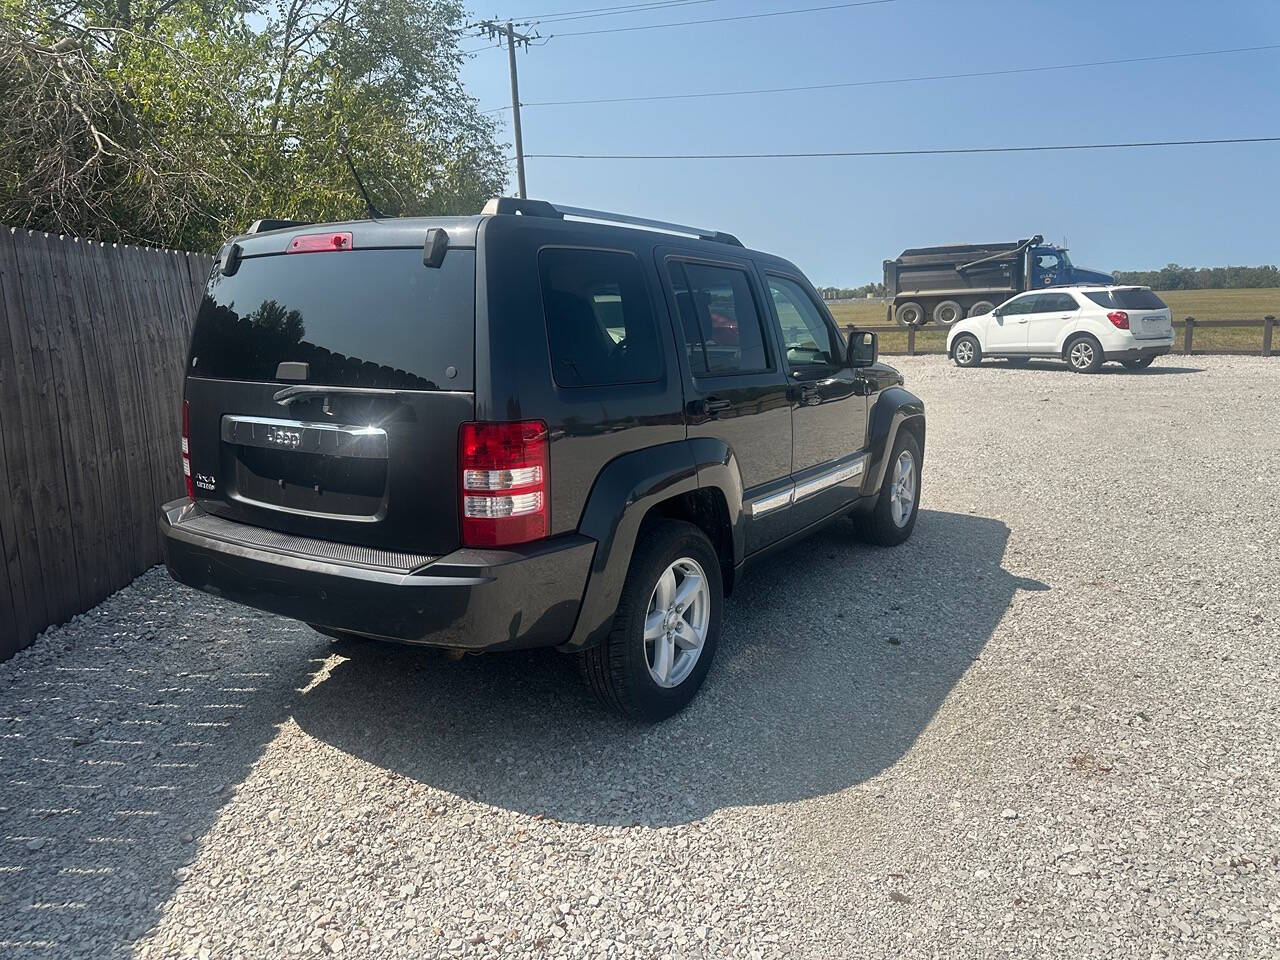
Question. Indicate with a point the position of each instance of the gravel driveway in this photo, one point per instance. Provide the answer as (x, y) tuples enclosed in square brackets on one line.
[(1049, 725)]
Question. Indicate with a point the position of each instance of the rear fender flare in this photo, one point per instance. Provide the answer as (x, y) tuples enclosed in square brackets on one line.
[(623, 493), (893, 409)]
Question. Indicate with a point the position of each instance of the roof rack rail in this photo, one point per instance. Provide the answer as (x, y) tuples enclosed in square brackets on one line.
[(267, 224), (541, 208)]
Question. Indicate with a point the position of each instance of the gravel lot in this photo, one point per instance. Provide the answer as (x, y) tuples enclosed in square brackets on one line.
[(1049, 725)]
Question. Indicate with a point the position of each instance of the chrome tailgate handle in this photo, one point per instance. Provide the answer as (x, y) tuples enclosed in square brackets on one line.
[(327, 439)]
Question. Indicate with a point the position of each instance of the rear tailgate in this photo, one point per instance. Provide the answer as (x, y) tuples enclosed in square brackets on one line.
[(326, 391), (1149, 317)]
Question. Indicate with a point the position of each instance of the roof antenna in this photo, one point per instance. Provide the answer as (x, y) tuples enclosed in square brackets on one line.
[(374, 212)]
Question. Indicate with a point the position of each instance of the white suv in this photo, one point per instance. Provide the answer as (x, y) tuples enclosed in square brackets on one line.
[(1083, 325)]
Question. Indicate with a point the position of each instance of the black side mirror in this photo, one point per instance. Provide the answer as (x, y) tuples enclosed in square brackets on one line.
[(997, 312), (864, 348)]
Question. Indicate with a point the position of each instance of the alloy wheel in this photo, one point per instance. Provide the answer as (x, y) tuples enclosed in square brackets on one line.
[(902, 492), (1082, 355), (676, 622)]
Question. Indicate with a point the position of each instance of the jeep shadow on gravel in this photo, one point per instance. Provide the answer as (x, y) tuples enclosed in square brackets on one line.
[(537, 427)]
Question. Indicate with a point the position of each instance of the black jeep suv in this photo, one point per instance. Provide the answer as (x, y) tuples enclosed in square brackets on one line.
[(529, 428)]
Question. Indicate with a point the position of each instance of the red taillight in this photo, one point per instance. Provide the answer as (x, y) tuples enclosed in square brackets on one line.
[(319, 243), (1119, 319), (504, 484), (186, 450)]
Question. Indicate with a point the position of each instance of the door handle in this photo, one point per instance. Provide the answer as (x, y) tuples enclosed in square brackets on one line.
[(806, 395)]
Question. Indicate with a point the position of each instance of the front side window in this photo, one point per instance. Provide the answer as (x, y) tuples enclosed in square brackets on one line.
[(805, 334), (722, 330), (600, 323)]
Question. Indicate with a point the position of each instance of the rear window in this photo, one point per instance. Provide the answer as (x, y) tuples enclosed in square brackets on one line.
[(1127, 299), (360, 318), (599, 319), (721, 322)]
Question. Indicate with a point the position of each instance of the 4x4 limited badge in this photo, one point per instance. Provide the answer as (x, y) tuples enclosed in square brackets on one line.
[(284, 438)]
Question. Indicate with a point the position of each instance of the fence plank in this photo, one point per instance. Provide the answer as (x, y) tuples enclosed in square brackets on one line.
[(25, 611), (51, 513), (1268, 325)]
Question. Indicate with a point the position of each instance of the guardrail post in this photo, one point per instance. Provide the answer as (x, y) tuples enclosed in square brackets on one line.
[(911, 341), (1268, 324), (1188, 325)]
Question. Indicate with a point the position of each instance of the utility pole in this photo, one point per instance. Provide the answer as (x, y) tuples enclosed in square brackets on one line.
[(495, 29)]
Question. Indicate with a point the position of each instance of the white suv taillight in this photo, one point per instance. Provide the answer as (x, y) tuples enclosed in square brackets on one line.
[(504, 482), (1119, 319), (186, 450)]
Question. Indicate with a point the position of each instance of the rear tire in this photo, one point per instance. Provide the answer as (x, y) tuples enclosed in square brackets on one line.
[(646, 643), (910, 314), (893, 517), (966, 351), (947, 312), (1084, 354), (981, 307), (1140, 364)]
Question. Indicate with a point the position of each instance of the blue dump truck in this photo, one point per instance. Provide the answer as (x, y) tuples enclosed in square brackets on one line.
[(945, 284)]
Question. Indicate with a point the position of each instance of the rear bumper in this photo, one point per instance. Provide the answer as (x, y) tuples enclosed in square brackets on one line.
[(1139, 353), (527, 596)]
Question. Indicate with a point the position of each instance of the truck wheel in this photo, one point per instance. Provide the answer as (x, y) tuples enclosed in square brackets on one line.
[(981, 307), (666, 626), (1084, 354), (947, 313), (966, 351), (893, 517), (910, 314)]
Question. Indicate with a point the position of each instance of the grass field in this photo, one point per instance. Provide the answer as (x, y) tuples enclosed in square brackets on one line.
[(1201, 304)]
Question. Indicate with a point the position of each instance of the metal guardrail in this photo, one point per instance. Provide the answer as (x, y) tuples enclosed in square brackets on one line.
[(1189, 326)]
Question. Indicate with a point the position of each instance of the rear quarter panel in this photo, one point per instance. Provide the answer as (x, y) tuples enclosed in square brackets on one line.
[(588, 426)]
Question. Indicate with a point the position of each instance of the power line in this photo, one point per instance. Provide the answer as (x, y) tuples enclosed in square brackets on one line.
[(594, 12), (747, 16), (888, 81), (893, 153)]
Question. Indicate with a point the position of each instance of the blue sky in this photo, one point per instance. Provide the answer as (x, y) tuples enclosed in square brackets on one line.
[(839, 218)]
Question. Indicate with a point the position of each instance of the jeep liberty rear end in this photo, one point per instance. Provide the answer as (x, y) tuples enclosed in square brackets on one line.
[(499, 432)]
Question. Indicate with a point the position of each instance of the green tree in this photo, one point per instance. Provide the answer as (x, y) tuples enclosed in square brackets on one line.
[(177, 122)]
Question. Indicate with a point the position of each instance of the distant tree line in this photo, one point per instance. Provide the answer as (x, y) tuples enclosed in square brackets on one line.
[(1175, 277), (852, 293)]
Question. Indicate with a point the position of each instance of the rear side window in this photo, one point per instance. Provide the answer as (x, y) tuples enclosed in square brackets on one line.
[(720, 318), (358, 318), (600, 323), (1055, 302), (1138, 299)]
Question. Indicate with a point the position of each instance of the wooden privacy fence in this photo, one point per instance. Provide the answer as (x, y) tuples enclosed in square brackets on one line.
[(92, 338), (1189, 326)]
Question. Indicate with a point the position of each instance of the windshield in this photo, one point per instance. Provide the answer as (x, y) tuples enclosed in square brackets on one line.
[(360, 318)]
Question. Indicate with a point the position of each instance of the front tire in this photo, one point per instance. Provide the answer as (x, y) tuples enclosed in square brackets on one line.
[(1084, 355), (893, 517), (666, 627), (966, 351), (1140, 364)]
